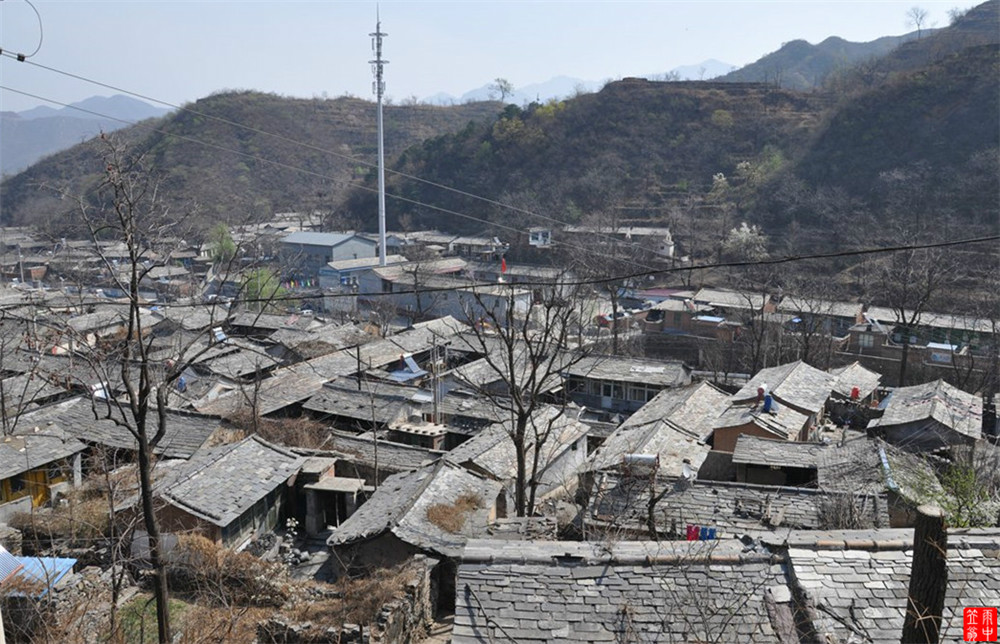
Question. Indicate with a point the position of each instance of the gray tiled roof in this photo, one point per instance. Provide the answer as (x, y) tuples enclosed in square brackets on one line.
[(91, 422), (673, 425), (795, 383), (492, 450), (948, 405), (561, 592), (283, 388), (401, 505), (343, 399), (221, 483), (861, 589), (392, 456), (665, 373), (620, 502), (855, 375), (753, 450), (34, 443), (871, 465), (784, 422)]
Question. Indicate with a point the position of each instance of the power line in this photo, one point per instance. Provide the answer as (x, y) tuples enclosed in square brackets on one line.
[(22, 57), (305, 171), (305, 145)]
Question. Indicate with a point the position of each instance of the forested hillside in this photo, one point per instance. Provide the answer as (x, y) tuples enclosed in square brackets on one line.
[(286, 154), (912, 132)]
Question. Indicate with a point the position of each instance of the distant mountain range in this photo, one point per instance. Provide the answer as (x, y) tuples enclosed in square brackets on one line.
[(26, 137), (566, 86)]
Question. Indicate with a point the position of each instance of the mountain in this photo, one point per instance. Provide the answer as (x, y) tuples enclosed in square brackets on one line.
[(28, 136), (911, 130), (561, 87), (705, 70), (289, 154), (801, 65), (913, 133)]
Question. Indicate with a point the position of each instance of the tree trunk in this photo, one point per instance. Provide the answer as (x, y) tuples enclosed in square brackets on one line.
[(153, 531), (928, 577), (520, 502), (905, 356)]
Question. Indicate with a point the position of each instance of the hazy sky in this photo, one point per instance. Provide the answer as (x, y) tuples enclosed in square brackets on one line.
[(180, 51)]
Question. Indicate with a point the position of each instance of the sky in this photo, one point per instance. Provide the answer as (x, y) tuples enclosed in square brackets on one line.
[(180, 51)]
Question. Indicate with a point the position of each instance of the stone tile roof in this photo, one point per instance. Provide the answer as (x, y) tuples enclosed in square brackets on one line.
[(284, 387), (35, 442), (855, 375), (395, 457), (863, 465), (492, 452), (92, 422), (620, 503), (818, 307), (796, 383), (673, 425), (664, 373), (562, 592), (754, 450), (221, 483), (320, 341), (720, 298), (401, 505), (343, 399), (784, 422), (245, 359), (948, 405), (859, 589)]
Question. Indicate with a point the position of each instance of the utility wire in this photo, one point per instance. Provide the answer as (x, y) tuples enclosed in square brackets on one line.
[(293, 168), (21, 57), (312, 147)]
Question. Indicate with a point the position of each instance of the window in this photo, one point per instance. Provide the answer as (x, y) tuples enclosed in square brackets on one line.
[(866, 340), (606, 389), (677, 318)]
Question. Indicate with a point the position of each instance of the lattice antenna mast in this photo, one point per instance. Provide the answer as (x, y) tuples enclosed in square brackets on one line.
[(378, 88)]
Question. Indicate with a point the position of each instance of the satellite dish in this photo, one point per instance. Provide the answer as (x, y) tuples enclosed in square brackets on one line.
[(687, 473)]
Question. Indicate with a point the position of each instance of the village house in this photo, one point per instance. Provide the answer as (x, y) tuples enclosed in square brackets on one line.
[(433, 510), (766, 461), (862, 465), (779, 421), (561, 453), (927, 417), (618, 384), (38, 461), (308, 252), (229, 494), (673, 427), (344, 273), (625, 502)]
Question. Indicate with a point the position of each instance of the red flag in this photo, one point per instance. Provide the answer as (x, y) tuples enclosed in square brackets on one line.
[(503, 264)]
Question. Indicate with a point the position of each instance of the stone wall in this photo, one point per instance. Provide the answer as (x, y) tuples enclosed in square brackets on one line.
[(403, 621)]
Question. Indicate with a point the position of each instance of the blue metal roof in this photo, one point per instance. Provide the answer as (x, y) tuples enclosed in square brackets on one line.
[(45, 571)]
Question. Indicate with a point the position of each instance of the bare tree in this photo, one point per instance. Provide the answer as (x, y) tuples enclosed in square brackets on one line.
[(526, 343), (906, 282), (501, 87), (915, 17), (130, 214)]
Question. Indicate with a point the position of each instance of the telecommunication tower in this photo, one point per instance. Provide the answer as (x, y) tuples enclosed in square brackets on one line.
[(378, 88)]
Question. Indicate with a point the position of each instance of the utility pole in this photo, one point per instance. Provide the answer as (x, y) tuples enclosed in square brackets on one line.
[(378, 87)]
